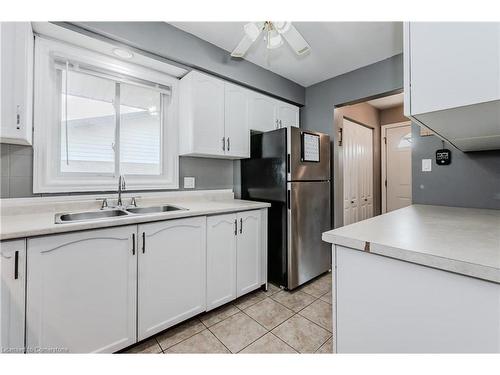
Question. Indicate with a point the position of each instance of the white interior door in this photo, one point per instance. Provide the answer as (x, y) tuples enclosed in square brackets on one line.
[(398, 167), (358, 172)]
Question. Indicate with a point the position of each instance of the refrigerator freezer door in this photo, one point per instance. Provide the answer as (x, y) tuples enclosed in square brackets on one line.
[(299, 170), (308, 218)]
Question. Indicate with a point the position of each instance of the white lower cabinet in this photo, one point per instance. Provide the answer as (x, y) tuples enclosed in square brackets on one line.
[(12, 292), (248, 253), (234, 251), (81, 291), (221, 259), (172, 273)]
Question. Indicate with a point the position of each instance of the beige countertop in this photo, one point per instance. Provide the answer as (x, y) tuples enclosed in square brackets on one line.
[(35, 216), (461, 240)]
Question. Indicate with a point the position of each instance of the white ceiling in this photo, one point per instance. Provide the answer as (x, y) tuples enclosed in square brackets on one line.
[(387, 101), (337, 47)]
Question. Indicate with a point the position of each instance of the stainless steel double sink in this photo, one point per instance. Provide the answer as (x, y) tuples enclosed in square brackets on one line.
[(115, 212)]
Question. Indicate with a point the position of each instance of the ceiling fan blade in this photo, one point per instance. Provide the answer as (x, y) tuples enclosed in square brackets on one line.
[(293, 37), (252, 32)]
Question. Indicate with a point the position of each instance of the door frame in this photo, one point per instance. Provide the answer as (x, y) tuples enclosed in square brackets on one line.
[(341, 151), (383, 158)]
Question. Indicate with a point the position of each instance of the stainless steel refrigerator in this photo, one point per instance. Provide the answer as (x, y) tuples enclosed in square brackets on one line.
[(290, 168)]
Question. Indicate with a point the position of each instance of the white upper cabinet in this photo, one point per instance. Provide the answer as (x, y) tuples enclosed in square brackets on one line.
[(287, 115), (262, 112), (12, 295), (81, 291), (172, 269), (216, 117), (201, 116), (452, 81), (16, 82), (236, 121), (266, 113)]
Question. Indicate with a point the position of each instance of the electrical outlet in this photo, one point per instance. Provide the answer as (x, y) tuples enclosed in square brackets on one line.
[(189, 182), (426, 165)]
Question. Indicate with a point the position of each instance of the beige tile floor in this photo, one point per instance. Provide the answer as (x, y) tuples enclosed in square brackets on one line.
[(275, 321)]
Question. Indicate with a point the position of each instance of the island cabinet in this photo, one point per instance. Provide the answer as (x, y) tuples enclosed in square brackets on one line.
[(12, 295), (81, 291), (171, 279), (234, 255), (386, 305)]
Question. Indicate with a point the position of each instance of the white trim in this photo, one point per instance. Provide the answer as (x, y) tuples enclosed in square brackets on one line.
[(46, 147), (383, 159)]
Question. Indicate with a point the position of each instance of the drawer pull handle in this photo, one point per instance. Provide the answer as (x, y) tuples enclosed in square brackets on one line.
[(143, 242), (235, 227), (241, 225), (133, 243)]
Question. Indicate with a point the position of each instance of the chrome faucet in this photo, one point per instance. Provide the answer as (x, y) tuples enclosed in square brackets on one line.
[(121, 187)]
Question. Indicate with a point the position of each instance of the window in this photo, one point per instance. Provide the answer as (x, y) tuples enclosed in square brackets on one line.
[(97, 118)]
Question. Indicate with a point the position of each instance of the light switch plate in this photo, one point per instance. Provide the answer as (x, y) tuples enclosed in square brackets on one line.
[(189, 182), (426, 165)]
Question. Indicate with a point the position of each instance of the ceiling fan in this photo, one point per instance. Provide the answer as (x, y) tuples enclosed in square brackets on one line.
[(274, 33)]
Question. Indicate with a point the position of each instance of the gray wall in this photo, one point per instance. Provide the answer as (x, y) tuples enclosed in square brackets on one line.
[(174, 44), (321, 98), (471, 180), (17, 172)]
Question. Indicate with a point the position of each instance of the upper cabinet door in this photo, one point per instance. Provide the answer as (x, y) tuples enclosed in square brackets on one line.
[(12, 269), (16, 65), (81, 291), (262, 112), (236, 121), (453, 64), (221, 259), (248, 262), (202, 115), (172, 269), (288, 115)]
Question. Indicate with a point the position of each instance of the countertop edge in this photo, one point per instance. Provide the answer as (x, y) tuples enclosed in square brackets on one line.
[(128, 220), (478, 271)]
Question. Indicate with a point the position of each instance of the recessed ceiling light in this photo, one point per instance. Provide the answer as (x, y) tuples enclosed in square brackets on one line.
[(123, 53)]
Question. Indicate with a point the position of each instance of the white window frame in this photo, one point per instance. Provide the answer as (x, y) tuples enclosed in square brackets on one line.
[(46, 125)]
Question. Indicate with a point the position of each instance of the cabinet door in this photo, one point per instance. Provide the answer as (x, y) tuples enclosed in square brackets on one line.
[(172, 273), (207, 111), (221, 259), (236, 121), (453, 64), (288, 115), (81, 291), (262, 113), (248, 252), (12, 270), (16, 65)]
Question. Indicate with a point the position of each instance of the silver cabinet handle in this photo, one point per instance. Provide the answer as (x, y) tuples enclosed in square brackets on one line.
[(241, 225), (280, 124), (223, 143), (235, 227), (228, 144), (276, 127)]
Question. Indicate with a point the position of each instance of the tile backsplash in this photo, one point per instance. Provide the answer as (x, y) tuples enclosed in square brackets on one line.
[(17, 171)]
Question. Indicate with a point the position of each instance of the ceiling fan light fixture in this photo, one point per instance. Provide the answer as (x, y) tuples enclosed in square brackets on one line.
[(252, 30), (282, 27), (274, 39)]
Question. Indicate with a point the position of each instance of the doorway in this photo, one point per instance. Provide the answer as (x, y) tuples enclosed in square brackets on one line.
[(396, 166), (360, 192), (358, 171)]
